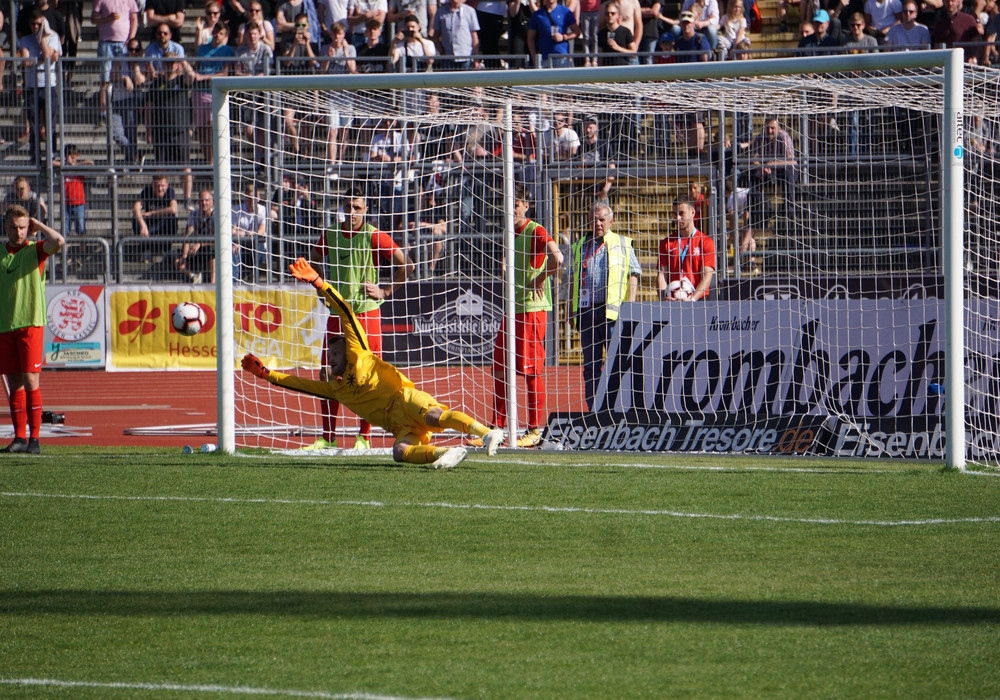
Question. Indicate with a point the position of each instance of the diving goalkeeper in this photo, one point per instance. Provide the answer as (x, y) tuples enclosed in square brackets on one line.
[(376, 391)]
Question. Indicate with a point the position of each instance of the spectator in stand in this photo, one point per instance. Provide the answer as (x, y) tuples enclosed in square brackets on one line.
[(340, 60), (593, 149), (116, 22), (738, 219), (55, 18), (519, 14), (615, 39), (991, 31), (250, 234), (652, 19), (909, 32), (606, 274), (492, 16), (41, 46), (205, 26), (256, 58), (128, 102), (299, 56), (74, 193), (373, 54), (409, 51), (170, 119), (267, 29), (198, 257), (696, 195), (813, 44), (22, 319), (163, 45), (629, 16), (154, 217), (549, 32), (706, 22), (169, 12), (565, 142), (353, 252), (324, 15), (806, 29), (215, 59), (590, 23), (733, 28), (292, 215), (536, 257), (953, 26), (690, 46), (772, 160), (424, 10), (880, 16), (687, 261), (857, 41), (456, 34), (21, 195), (359, 12), (285, 20)]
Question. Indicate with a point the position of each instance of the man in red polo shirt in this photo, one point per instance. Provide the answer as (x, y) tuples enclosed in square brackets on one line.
[(22, 317)]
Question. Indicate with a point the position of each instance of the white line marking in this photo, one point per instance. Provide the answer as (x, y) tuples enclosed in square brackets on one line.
[(233, 690), (524, 508)]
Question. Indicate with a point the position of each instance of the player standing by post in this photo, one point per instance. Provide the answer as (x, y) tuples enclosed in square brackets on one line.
[(353, 250), (22, 316), (687, 257), (376, 390), (536, 258)]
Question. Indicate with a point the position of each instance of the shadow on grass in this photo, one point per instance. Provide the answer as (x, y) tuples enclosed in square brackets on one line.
[(487, 606)]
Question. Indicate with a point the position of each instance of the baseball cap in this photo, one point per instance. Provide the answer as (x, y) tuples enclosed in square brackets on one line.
[(591, 119), (687, 16), (821, 16)]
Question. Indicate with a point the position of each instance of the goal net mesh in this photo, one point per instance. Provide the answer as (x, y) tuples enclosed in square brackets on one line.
[(824, 331)]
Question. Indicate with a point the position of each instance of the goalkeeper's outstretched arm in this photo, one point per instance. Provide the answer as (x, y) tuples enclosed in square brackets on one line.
[(304, 272)]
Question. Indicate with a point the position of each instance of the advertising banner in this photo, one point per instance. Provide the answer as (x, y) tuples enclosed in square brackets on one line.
[(142, 337), (781, 375), (75, 329)]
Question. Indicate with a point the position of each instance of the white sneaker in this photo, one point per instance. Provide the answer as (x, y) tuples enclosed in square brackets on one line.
[(449, 459), (492, 440)]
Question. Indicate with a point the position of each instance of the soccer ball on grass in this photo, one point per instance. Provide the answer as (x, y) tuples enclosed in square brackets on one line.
[(188, 318)]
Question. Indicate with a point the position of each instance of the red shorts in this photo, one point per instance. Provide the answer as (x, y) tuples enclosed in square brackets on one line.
[(529, 343), (371, 324), (21, 350)]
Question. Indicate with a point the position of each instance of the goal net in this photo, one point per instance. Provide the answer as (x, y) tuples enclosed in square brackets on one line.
[(826, 331)]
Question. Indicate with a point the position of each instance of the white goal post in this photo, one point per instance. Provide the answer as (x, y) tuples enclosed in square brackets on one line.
[(660, 100)]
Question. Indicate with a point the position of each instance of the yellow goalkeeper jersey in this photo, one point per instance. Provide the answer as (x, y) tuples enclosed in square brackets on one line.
[(370, 386)]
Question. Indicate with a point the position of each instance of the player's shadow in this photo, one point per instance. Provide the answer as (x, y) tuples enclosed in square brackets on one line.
[(486, 606)]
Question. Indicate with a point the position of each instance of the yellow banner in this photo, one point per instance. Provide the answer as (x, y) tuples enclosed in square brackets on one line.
[(271, 323)]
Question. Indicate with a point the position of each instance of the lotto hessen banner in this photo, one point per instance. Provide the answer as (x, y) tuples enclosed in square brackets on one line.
[(75, 330), (142, 337)]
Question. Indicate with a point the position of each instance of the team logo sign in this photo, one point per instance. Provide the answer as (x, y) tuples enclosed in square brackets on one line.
[(71, 316)]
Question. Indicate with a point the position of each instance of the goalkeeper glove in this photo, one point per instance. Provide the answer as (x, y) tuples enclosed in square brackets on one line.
[(254, 366), (304, 272)]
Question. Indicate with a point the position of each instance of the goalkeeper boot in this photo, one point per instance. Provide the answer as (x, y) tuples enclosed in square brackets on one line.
[(362, 443), (449, 459), (33, 447), (532, 438), (321, 444), (492, 440), (478, 441), (19, 445)]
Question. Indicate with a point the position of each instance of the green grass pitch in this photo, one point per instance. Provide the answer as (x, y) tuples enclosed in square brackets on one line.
[(152, 574)]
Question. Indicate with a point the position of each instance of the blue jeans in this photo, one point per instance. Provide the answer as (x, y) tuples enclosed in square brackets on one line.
[(76, 218)]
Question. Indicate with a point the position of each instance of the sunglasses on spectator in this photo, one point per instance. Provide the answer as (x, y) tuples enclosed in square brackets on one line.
[(163, 33), (301, 24), (255, 9), (211, 12)]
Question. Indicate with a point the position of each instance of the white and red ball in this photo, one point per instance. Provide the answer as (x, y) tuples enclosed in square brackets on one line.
[(188, 318), (680, 289)]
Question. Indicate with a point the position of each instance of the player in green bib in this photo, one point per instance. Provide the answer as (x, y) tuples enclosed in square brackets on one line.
[(22, 318), (536, 258)]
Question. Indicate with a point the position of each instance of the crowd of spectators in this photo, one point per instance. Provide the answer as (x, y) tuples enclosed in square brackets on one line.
[(156, 64)]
